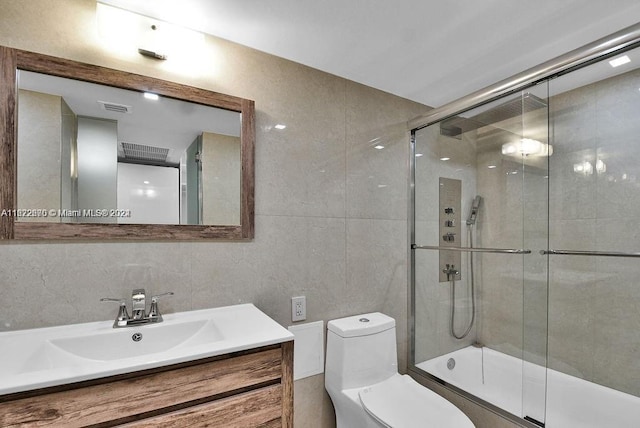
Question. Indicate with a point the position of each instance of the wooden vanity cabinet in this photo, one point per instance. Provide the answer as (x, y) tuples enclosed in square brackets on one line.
[(251, 388)]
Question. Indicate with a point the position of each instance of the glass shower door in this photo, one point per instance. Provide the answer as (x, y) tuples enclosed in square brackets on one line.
[(594, 291), (478, 293)]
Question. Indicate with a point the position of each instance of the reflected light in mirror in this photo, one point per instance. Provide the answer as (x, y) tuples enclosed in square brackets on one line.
[(585, 168), (527, 147)]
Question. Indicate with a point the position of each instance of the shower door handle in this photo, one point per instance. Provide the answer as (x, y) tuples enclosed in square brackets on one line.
[(472, 249), (588, 253)]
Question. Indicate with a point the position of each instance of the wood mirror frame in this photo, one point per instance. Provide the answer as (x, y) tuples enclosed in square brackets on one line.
[(12, 60)]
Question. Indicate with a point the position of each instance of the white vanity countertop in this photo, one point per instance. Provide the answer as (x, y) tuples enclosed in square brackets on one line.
[(43, 357)]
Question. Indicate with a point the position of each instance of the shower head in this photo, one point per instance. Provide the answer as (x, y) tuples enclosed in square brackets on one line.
[(458, 125), (475, 208)]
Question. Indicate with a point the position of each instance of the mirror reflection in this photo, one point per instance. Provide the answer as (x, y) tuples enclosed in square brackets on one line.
[(90, 153)]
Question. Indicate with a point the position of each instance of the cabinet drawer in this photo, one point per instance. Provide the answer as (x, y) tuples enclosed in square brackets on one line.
[(126, 398), (258, 408)]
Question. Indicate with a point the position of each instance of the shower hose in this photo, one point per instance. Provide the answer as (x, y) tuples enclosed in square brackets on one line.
[(473, 297)]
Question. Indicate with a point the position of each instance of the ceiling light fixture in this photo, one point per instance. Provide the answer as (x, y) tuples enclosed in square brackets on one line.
[(151, 96), (378, 147), (445, 159), (128, 32), (617, 62), (152, 54), (280, 126)]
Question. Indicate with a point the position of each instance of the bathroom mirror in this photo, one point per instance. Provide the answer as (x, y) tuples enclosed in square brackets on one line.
[(90, 152)]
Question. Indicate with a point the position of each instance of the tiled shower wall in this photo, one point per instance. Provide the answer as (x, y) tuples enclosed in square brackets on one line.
[(594, 322), (331, 211)]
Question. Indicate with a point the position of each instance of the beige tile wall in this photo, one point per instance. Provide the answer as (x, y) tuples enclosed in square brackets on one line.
[(40, 146), (594, 322), (330, 209)]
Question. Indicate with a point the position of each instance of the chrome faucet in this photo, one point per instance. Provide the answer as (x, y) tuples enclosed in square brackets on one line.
[(139, 314), (138, 304)]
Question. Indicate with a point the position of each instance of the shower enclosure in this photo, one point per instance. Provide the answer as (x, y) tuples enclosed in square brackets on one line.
[(525, 244)]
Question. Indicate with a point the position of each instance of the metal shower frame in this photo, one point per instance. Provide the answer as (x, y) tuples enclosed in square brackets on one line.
[(601, 49)]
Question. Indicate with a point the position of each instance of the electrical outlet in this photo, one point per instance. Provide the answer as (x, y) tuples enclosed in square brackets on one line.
[(298, 308)]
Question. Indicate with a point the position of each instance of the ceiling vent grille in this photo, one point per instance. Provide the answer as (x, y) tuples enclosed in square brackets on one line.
[(139, 152), (115, 107)]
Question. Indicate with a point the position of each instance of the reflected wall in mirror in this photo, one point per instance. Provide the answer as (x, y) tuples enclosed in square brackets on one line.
[(107, 154)]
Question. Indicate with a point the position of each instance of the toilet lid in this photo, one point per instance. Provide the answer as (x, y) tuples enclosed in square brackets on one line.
[(400, 402)]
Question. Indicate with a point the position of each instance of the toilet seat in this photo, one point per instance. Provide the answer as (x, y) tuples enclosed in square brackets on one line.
[(400, 402)]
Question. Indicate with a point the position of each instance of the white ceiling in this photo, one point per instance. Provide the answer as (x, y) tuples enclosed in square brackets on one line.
[(429, 51)]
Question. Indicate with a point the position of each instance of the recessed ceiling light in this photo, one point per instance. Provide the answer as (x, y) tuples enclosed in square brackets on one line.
[(418, 155), (492, 166), (151, 96), (379, 147), (280, 126), (444, 159), (619, 61)]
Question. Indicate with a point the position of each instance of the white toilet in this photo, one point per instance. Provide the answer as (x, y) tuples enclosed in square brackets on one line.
[(362, 379)]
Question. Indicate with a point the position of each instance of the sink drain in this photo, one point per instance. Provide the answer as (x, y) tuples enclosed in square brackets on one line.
[(136, 337)]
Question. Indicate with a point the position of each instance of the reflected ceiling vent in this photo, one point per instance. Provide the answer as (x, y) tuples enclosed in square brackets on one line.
[(139, 153), (115, 107)]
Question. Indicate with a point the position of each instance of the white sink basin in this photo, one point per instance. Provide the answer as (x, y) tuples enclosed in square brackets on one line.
[(57, 355), (153, 338)]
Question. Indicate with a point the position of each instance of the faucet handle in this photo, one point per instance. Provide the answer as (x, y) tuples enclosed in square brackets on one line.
[(123, 315), (112, 299), (154, 299), (154, 312)]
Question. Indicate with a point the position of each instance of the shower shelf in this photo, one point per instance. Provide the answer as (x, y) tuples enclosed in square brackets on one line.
[(588, 253), (471, 250)]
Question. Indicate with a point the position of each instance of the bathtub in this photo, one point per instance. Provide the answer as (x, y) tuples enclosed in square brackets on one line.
[(519, 388)]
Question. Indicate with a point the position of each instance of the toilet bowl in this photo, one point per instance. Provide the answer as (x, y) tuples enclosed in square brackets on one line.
[(362, 379)]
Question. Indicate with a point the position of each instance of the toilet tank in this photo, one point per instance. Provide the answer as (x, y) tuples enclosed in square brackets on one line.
[(361, 350)]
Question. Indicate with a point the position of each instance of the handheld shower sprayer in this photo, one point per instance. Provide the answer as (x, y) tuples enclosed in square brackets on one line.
[(471, 221), (475, 208)]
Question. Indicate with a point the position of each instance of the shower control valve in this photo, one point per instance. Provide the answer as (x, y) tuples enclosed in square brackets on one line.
[(450, 223), (450, 270), (449, 237), (449, 210)]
